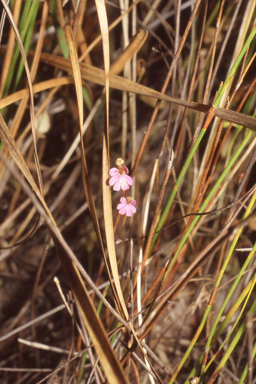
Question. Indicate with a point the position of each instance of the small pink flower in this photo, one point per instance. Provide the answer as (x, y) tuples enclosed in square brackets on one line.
[(126, 206), (119, 177)]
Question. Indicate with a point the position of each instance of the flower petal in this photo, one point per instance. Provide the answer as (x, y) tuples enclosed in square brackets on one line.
[(120, 206), (125, 170), (117, 185), (122, 211), (113, 180), (125, 208), (128, 211), (128, 179), (113, 172), (124, 184)]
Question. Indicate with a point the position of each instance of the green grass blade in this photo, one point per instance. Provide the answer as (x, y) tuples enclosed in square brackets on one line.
[(214, 336), (59, 31), (199, 138), (176, 187), (23, 26), (234, 67), (32, 17), (245, 371), (207, 200), (211, 194), (245, 294), (232, 344)]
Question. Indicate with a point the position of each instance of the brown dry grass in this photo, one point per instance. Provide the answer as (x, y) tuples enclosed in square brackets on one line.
[(32, 212)]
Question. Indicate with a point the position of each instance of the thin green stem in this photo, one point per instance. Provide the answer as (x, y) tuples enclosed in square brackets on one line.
[(23, 27), (176, 187), (246, 294), (201, 135), (213, 337), (211, 194), (207, 200), (33, 12), (232, 345), (245, 371), (234, 67)]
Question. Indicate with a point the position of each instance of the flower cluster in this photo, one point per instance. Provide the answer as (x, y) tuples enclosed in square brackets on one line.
[(119, 179), (126, 206)]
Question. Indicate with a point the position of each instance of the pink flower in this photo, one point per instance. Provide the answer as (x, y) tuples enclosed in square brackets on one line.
[(126, 206), (120, 179)]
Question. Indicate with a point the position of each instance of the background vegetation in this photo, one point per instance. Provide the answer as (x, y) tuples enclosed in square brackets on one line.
[(88, 295)]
